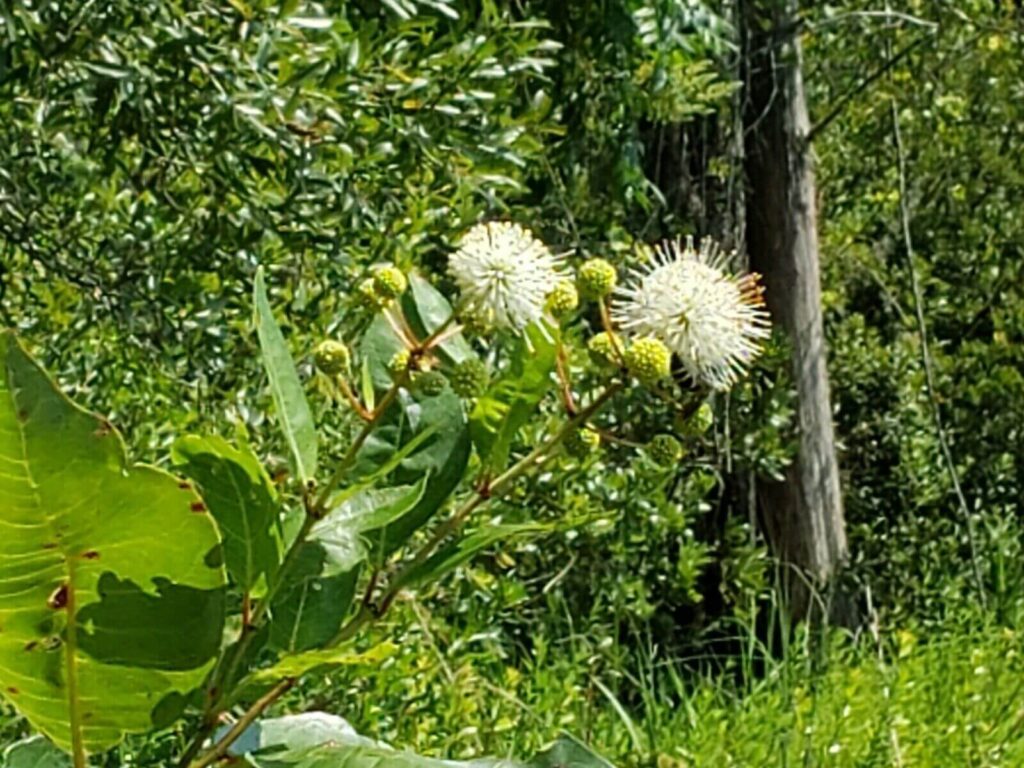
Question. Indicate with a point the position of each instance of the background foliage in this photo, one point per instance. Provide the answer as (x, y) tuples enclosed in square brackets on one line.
[(153, 154)]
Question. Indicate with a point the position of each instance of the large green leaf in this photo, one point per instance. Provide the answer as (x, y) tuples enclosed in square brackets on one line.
[(512, 399), (464, 549), (320, 740), (33, 752), (241, 499), (427, 310), (289, 397), (444, 454), (111, 576), (297, 664), (318, 591)]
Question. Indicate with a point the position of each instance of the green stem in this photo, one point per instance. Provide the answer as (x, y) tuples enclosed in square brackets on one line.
[(229, 738), (535, 459), (71, 651), (350, 455), (314, 509)]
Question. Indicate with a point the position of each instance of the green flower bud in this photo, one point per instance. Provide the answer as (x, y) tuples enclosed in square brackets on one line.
[(389, 282), (399, 364), (474, 326), (665, 450), (596, 279), (430, 383), (649, 360), (332, 357), (581, 442), (563, 299), (367, 296), (470, 378), (602, 348)]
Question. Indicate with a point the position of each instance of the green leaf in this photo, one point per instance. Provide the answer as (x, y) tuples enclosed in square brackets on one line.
[(455, 554), (569, 752), (444, 456), (378, 346), (295, 732), (319, 590), (111, 576), (320, 740), (427, 310), (241, 499), (309, 608), (298, 664), (34, 752), (289, 397), (343, 532), (511, 400)]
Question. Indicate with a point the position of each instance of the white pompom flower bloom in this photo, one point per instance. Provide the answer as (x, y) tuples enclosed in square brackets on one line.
[(712, 319), (504, 274)]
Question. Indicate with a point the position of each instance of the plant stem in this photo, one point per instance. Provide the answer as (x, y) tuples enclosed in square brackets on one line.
[(229, 738), (350, 454), (314, 510), (537, 457)]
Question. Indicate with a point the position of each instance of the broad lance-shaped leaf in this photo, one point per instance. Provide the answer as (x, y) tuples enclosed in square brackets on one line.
[(298, 664), (111, 576), (241, 499), (34, 752), (321, 740), (427, 310), (511, 400), (444, 454), (318, 591), (289, 397), (464, 549)]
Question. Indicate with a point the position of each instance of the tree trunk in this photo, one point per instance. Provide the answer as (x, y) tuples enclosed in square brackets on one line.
[(802, 515)]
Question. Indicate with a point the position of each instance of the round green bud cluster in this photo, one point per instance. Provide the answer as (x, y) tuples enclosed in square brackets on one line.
[(581, 442), (664, 450), (563, 299), (469, 378), (399, 364), (649, 360), (367, 296), (389, 282), (474, 325), (430, 383), (602, 348), (596, 279), (332, 357)]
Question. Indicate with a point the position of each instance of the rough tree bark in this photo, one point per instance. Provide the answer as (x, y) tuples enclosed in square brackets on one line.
[(802, 515)]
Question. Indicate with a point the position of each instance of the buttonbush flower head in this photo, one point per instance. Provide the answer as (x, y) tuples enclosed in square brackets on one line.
[(367, 296), (649, 360), (389, 282), (713, 320), (504, 274), (430, 383), (596, 279), (332, 357), (665, 450), (470, 378), (563, 299), (603, 348), (399, 363)]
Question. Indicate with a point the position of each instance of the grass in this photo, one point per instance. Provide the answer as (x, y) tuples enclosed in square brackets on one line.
[(949, 697)]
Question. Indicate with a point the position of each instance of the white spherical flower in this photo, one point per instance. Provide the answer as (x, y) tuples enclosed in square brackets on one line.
[(504, 274), (713, 320)]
